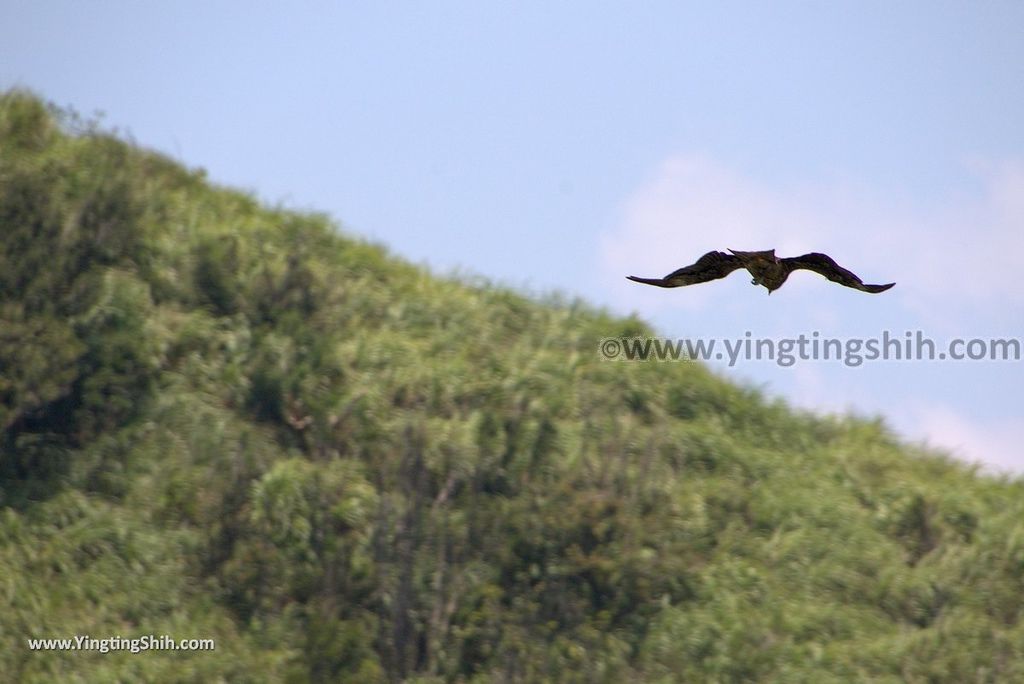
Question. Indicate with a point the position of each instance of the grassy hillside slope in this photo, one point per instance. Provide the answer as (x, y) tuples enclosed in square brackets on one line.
[(221, 420)]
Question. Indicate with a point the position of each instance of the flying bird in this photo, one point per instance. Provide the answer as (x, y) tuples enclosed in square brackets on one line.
[(766, 268)]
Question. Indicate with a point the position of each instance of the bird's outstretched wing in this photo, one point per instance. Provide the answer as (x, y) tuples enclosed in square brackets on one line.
[(711, 266), (824, 265)]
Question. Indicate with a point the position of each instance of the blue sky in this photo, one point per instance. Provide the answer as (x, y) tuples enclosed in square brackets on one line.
[(565, 146)]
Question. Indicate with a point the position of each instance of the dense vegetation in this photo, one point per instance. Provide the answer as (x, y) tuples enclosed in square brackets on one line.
[(223, 420)]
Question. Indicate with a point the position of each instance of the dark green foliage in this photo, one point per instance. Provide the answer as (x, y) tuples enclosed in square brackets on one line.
[(219, 420), (216, 267), (38, 358)]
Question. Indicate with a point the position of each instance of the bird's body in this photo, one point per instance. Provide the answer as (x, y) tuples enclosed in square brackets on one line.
[(764, 267)]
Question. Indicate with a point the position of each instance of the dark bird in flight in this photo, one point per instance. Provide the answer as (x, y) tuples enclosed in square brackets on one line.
[(766, 269)]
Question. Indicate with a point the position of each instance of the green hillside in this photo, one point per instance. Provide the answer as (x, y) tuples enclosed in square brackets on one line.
[(223, 420)]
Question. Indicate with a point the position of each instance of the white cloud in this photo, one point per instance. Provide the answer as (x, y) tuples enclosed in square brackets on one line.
[(998, 444), (694, 205), (962, 254)]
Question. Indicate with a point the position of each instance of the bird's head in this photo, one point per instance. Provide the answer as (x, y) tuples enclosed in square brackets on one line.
[(767, 286)]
